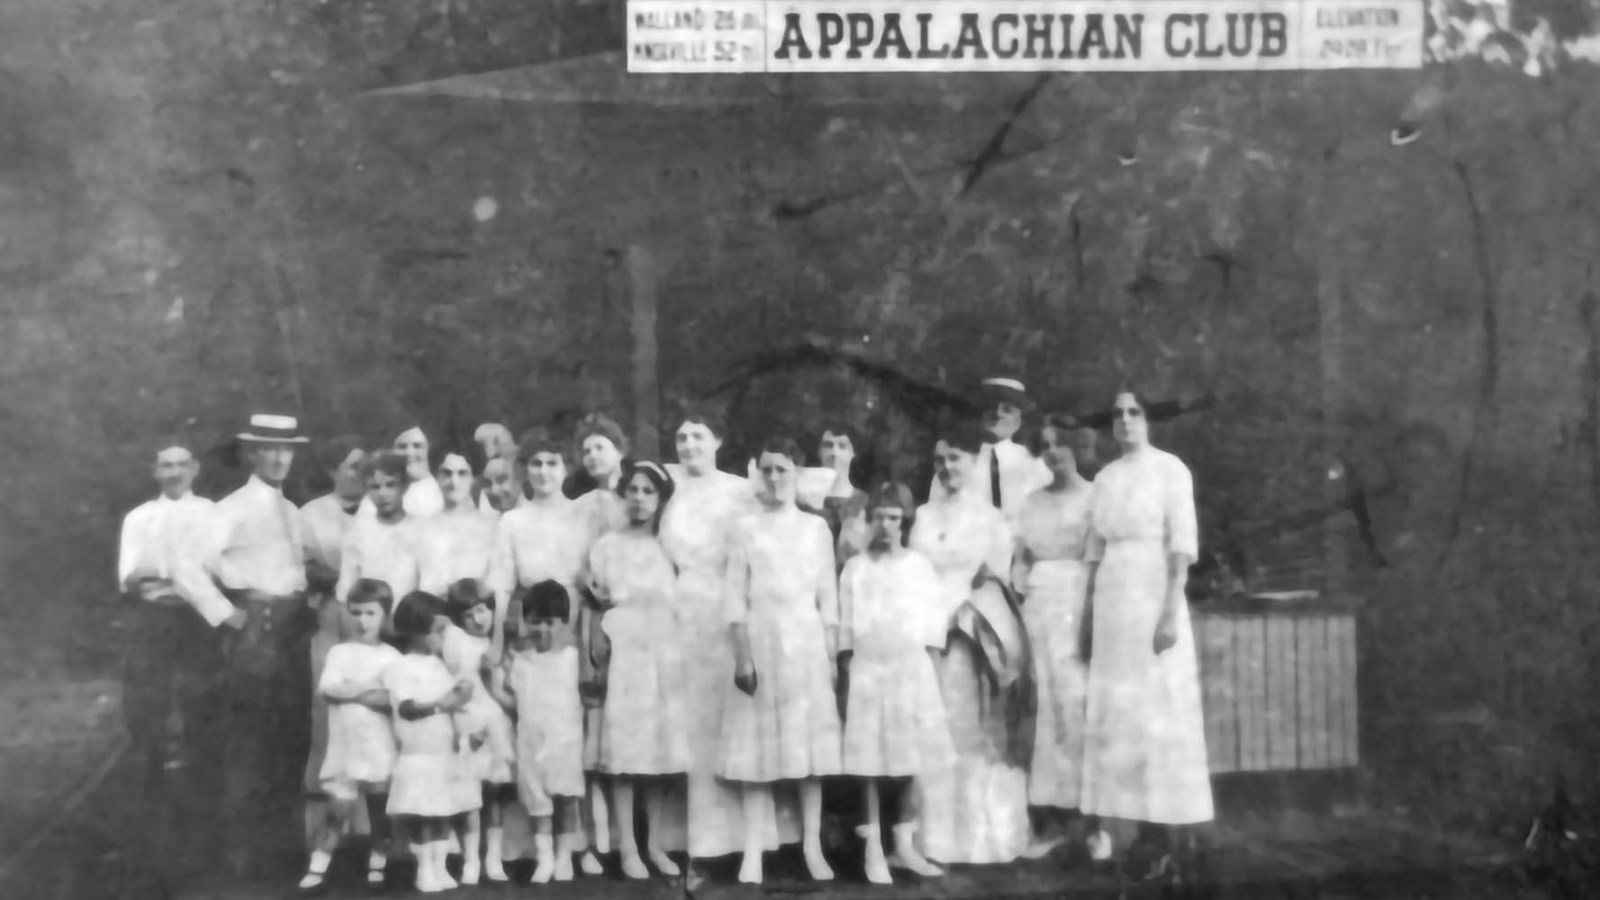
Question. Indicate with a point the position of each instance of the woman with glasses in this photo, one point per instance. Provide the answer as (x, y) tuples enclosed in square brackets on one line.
[(1145, 752)]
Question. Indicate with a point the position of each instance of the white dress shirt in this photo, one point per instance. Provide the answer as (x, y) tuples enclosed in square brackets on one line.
[(263, 547), (326, 524), (176, 540)]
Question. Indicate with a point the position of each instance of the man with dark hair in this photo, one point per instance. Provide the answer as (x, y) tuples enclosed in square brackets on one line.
[(261, 568), (174, 661)]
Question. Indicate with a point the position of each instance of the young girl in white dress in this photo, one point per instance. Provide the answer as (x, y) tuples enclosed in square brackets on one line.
[(470, 608), (782, 722), (894, 726), (631, 580), (387, 545), (433, 788), (361, 747), (539, 684)]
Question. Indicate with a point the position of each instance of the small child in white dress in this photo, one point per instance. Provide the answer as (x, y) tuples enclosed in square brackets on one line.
[(539, 684), (361, 747), (470, 607), (433, 786)]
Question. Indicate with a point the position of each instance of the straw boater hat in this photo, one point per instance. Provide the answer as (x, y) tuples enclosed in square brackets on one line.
[(1009, 390), (265, 428)]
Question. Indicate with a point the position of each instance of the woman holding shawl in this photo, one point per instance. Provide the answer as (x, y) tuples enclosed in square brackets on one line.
[(977, 810)]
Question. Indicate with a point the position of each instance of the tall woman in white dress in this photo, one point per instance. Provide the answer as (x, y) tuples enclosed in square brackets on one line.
[(782, 721), (460, 535), (1053, 578), (977, 811), (696, 530), (1145, 757)]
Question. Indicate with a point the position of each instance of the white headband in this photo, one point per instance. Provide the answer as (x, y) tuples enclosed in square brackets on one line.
[(1010, 383)]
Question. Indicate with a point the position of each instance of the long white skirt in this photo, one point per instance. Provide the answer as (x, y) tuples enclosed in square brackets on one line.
[(1145, 756), (1053, 614), (704, 814), (975, 811)]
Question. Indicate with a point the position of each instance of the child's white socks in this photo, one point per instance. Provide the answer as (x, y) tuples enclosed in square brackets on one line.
[(493, 853)]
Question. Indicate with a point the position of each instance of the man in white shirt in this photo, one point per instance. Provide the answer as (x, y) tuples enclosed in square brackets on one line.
[(174, 660), (1007, 472), (260, 566)]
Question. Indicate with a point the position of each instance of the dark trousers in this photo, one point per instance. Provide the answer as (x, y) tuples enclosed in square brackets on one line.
[(268, 714), (174, 664)]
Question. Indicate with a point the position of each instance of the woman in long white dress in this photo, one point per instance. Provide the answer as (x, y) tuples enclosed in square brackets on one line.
[(460, 540), (1145, 757), (631, 580), (1053, 578), (709, 819), (782, 722), (600, 446), (976, 811), (543, 538)]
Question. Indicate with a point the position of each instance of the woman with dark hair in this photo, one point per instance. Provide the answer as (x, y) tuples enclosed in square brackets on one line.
[(327, 519), (697, 530), (597, 490), (1145, 756), (843, 505), (783, 615), (1050, 573), (602, 450), (634, 653), (460, 536), (977, 810), (545, 538)]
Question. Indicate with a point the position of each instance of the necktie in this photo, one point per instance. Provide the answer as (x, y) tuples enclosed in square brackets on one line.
[(994, 474)]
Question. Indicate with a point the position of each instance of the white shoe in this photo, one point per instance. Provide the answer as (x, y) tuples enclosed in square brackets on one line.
[(376, 864), (750, 868), (471, 871), (311, 880), (494, 869), (633, 866), (877, 867), (544, 848), (663, 862), (563, 866), (1100, 846), (590, 864), (1039, 848), (906, 856), (817, 865)]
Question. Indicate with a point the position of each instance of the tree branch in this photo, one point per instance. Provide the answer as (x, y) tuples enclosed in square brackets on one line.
[(1485, 413), (992, 151)]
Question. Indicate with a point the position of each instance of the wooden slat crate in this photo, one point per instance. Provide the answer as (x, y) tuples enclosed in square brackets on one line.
[(1279, 689)]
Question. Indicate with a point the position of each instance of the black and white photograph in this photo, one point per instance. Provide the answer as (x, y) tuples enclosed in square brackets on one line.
[(841, 449)]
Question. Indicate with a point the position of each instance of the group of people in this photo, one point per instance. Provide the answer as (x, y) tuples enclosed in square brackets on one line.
[(479, 651)]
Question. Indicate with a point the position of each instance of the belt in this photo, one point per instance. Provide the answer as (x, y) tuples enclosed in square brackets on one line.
[(267, 608)]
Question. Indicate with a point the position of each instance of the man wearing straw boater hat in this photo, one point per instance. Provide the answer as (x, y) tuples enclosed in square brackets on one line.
[(1010, 472), (261, 570)]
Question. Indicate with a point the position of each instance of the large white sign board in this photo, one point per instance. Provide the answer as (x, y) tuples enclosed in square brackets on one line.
[(788, 36)]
